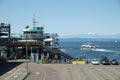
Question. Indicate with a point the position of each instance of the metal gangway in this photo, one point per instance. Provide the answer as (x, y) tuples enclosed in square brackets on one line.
[(56, 51)]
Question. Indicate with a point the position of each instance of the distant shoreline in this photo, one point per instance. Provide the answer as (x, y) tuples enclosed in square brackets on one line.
[(93, 38)]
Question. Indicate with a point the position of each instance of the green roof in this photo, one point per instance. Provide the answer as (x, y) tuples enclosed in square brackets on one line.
[(35, 30)]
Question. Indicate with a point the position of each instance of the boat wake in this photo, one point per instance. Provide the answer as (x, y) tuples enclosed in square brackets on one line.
[(63, 50), (105, 50)]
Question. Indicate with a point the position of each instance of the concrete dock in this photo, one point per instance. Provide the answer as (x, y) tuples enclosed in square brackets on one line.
[(61, 71), (13, 70), (73, 72)]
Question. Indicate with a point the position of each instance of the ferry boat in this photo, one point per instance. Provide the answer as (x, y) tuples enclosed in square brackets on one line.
[(89, 46), (37, 34)]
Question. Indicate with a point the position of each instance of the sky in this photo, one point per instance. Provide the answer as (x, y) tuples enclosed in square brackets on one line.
[(64, 17)]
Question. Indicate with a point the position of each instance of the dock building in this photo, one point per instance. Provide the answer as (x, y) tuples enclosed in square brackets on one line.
[(34, 44)]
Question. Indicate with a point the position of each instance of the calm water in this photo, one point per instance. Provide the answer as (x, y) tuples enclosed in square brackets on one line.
[(107, 47)]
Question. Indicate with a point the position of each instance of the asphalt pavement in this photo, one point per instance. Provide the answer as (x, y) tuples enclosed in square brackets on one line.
[(7, 66), (59, 71), (73, 72)]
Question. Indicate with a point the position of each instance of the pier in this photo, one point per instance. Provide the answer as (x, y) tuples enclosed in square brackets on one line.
[(39, 44), (33, 40)]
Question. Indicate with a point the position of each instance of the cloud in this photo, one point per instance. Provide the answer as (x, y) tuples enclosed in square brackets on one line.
[(91, 33)]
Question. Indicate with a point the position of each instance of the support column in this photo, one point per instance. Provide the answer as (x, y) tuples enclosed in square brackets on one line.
[(40, 52)]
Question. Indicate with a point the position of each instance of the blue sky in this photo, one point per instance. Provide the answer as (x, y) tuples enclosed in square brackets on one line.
[(63, 16)]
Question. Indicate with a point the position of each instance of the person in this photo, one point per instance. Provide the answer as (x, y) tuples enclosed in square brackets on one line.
[(59, 58), (15, 58), (55, 58)]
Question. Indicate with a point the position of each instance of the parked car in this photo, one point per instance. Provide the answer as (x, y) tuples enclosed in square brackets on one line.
[(95, 62), (105, 61), (114, 62)]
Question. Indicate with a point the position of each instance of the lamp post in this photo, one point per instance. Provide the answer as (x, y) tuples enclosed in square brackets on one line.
[(26, 50)]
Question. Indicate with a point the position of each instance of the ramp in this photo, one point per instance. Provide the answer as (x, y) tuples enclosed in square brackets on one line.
[(57, 51), (39, 44)]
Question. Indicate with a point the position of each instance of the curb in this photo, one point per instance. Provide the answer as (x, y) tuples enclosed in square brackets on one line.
[(21, 74), (26, 75)]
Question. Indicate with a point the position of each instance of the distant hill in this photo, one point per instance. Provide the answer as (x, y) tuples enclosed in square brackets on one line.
[(91, 36)]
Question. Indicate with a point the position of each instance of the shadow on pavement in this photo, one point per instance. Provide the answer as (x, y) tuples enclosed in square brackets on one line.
[(7, 66)]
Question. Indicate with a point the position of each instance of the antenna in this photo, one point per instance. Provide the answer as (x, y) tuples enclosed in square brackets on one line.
[(34, 22)]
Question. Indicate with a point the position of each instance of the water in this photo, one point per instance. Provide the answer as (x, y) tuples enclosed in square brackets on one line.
[(107, 47)]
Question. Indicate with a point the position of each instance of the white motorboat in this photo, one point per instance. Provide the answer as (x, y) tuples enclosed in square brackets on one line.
[(89, 46)]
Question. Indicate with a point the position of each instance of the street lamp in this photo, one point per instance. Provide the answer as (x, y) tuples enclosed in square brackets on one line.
[(26, 49)]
